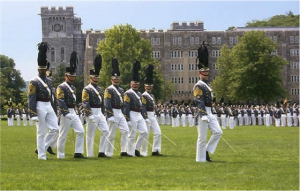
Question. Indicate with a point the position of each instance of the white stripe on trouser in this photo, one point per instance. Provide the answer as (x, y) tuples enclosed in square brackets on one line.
[(202, 147), (120, 122), (101, 124), (47, 119), (138, 124), (295, 119), (65, 124), (283, 120), (24, 120), (154, 127)]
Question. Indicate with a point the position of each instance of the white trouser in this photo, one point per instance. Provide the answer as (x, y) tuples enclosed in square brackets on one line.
[(231, 122), (10, 121), (289, 119), (30, 121), (168, 119), (24, 120), (283, 120), (65, 124), (99, 122), (240, 119), (223, 121), (173, 122), (277, 122), (47, 119), (267, 117), (121, 123), (246, 119), (253, 119), (190, 120), (18, 120), (162, 119), (227, 121), (183, 120), (295, 119), (202, 147), (154, 127), (138, 124)]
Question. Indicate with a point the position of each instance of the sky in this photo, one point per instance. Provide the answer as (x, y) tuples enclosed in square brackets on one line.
[(21, 29)]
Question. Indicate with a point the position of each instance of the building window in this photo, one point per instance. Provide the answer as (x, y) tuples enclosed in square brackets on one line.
[(295, 91), (152, 41), (295, 78), (157, 41), (294, 52), (175, 67), (52, 55), (175, 80), (197, 40), (176, 53), (155, 54), (215, 53), (219, 40), (62, 54), (296, 39), (174, 40), (230, 40), (291, 39), (179, 40), (274, 38), (213, 40), (181, 66), (294, 65), (236, 40), (215, 66), (98, 40), (191, 40)]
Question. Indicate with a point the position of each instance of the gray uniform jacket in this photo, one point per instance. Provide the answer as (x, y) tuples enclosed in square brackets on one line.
[(37, 92), (90, 99), (132, 103), (112, 100), (65, 98), (148, 103), (202, 97)]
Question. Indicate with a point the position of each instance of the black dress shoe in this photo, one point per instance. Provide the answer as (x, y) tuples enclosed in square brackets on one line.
[(101, 155), (156, 153), (124, 154), (137, 153), (208, 158), (50, 151), (36, 151), (79, 155)]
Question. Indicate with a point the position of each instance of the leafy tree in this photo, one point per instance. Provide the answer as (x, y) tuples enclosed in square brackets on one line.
[(278, 20), (11, 80), (231, 28), (254, 72), (125, 43)]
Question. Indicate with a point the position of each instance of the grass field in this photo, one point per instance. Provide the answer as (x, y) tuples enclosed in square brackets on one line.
[(265, 159)]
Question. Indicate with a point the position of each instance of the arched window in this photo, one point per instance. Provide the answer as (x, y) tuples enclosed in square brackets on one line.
[(62, 54), (52, 55)]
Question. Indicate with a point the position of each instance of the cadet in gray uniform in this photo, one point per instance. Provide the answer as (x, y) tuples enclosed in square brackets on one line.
[(113, 103), (39, 105), (135, 114), (203, 100), (92, 101), (148, 101), (66, 99)]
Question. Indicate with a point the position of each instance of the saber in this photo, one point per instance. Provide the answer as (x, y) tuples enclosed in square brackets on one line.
[(143, 138), (229, 145), (169, 139), (105, 137)]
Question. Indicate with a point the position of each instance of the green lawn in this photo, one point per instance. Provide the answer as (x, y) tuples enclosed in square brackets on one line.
[(265, 159)]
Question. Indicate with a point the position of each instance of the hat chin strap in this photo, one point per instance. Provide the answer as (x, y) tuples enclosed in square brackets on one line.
[(203, 74)]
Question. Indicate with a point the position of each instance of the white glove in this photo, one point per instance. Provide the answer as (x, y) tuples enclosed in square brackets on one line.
[(205, 119), (69, 116), (111, 119), (129, 123), (148, 122), (35, 119), (91, 117)]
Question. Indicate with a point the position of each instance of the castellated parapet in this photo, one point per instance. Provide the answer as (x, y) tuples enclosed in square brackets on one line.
[(198, 25), (55, 11)]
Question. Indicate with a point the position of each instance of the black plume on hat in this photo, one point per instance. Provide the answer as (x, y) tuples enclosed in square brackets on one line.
[(42, 55), (115, 67), (149, 74), (97, 66), (135, 71), (202, 57), (73, 64)]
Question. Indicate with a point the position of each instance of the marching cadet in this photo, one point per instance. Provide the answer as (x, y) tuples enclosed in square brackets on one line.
[(148, 101), (66, 99), (24, 115), (203, 99), (190, 117), (231, 117), (135, 114), (92, 99), (223, 116), (10, 115), (175, 116), (113, 103), (39, 105), (295, 115), (18, 115), (289, 114), (283, 115), (267, 116), (277, 115)]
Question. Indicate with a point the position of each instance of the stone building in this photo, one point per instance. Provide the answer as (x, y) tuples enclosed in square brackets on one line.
[(175, 48)]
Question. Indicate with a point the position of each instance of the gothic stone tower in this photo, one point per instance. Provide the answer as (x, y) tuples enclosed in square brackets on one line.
[(62, 30)]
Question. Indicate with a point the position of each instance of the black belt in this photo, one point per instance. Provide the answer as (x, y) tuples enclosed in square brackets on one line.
[(150, 109), (207, 104), (117, 107), (71, 105), (135, 109), (95, 105), (43, 99)]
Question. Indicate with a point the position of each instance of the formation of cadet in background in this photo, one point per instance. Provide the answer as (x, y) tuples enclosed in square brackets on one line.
[(229, 116)]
